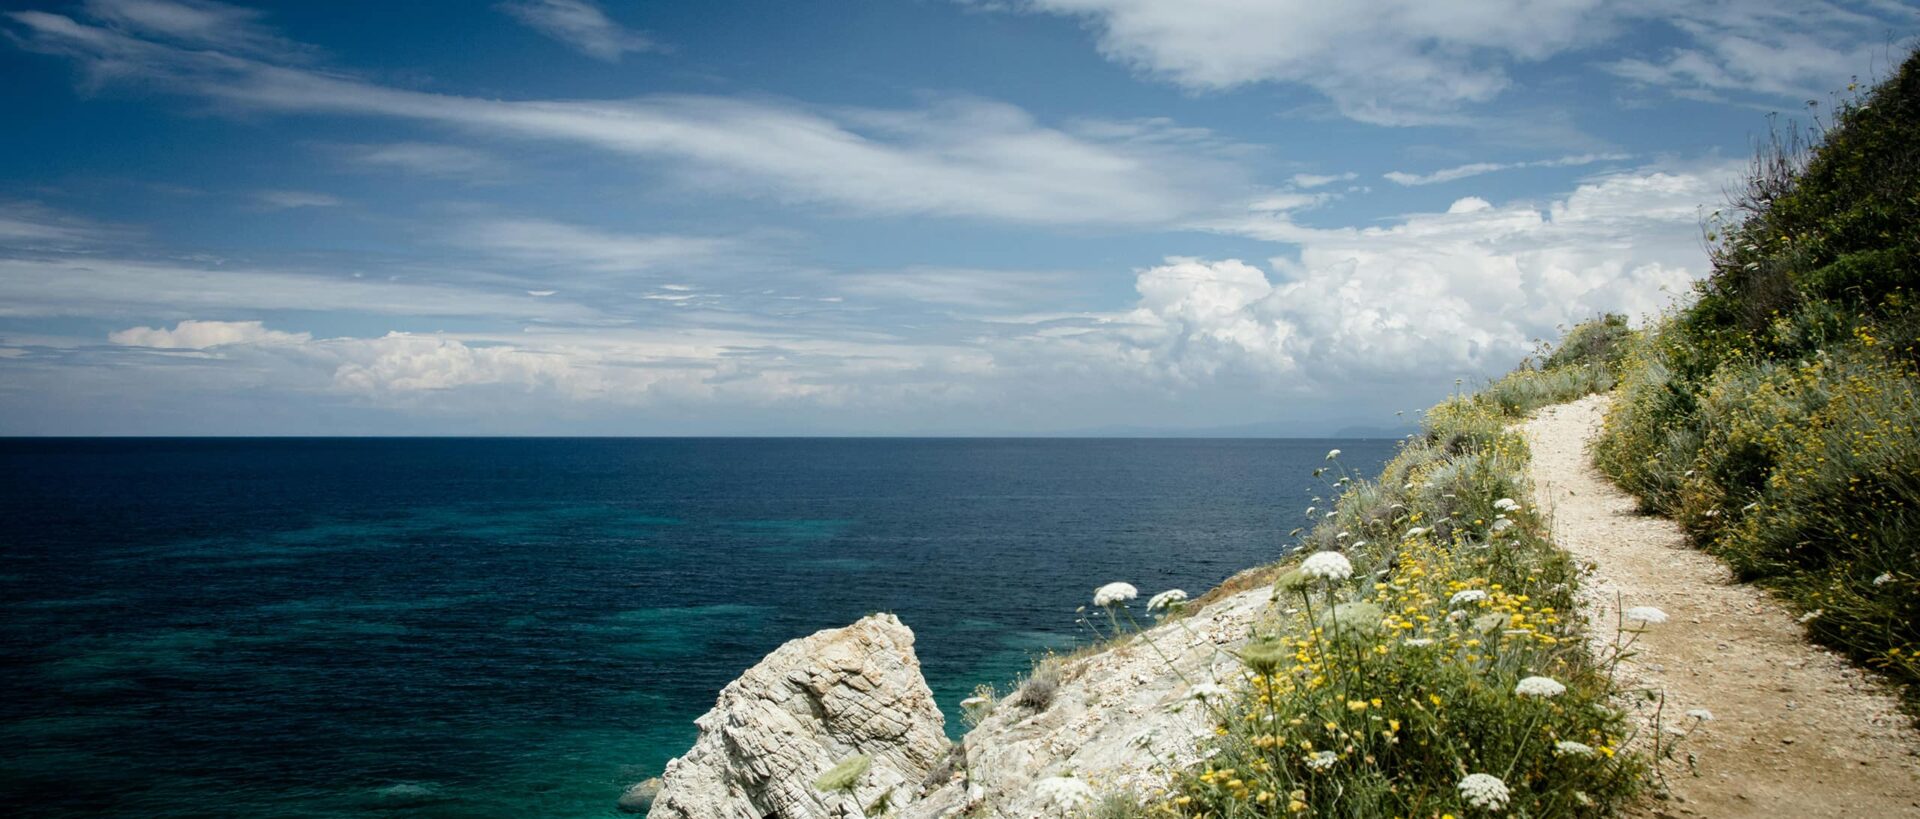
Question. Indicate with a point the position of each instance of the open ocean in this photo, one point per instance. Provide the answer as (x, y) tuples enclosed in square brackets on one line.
[(523, 627)]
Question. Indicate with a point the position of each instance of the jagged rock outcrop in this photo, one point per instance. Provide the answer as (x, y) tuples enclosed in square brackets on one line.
[(1122, 719), (809, 705)]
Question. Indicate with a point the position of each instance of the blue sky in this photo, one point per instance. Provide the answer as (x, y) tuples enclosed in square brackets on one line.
[(855, 217)]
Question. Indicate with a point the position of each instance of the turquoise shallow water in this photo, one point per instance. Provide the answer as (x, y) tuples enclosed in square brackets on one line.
[(512, 628)]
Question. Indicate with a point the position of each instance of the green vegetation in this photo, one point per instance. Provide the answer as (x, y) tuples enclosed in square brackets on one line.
[(1430, 666), (1775, 417)]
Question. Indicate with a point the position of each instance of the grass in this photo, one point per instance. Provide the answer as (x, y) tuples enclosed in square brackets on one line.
[(1775, 416)]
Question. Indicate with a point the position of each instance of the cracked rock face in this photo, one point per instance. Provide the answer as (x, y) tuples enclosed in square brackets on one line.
[(809, 705)]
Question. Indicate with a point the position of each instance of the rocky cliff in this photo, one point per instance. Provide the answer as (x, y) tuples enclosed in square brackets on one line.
[(1119, 719)]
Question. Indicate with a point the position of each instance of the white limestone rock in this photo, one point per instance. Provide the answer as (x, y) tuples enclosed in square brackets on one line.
[(810, 704)]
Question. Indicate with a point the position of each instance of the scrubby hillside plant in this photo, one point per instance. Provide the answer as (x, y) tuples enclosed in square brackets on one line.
[(1775, 416)]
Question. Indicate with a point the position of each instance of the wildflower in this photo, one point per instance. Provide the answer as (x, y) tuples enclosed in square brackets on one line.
[(1114, 594), (1420, 642), (1461, 598), (1812, 615), (1328, 566), (841, 777), (1415, 532), (1169, 600), (1883, 579), (973, 702), (1322, 760), (1646, 614), (1567, 747), (1701, 714), (1064, 792), (1542, 687), (1502, 524), (1484, 791), (1506, 505), (1292, 580), (1354, 620), (1357, 544), (1207, 691), (1332, 454), (1264, 655)]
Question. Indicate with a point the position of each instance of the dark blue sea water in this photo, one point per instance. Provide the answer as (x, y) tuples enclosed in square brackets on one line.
[(520, 628)]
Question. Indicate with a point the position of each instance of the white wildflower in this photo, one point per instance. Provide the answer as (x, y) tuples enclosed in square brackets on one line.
[(1420, 642), (1701, 714), (1502, 525), (1568, 747), (1114, 594), (1064, 792), (1343, 535), (1329, 566), (973, 702), (1357, 544), (1322, 760), (1484, 791), (1207, 691), (1646, 614), (1543, 687), (1332, 454), (1167, 600), (1456, 616), (1883, 579), (1812, 615), (1461, 598), (1506, 504), (1415, 532), (1309, 512)]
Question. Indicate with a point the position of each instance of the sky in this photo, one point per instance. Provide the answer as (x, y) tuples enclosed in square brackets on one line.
[(861, 217)]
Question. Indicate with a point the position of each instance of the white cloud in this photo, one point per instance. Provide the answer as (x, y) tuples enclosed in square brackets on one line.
[(197, 24), (581, 25), (201, 335), (1313, 180), (288, 200), (558, 244), (956, 157), (958, 287), (1412, 62), (1479, 168), (1437, 295), (429, 159)]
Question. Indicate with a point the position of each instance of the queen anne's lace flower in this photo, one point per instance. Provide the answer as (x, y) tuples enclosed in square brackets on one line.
[(1484, 791), (1461, 598), (1647, 614), (1502, 525), (1114, 594), (973, 702), (1420, 642), (1167, 600), (1207, 691), (1568, 747), (1322, 760), (1064, 792), (1506, 504), (1543, 687), (1701, 714), (1415, 532), (1330, 566), (1332, 454)]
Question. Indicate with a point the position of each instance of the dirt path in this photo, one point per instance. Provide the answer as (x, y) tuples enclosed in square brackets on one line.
[(1797, 731)]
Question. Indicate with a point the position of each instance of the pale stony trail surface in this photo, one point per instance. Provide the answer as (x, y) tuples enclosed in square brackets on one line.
[(1797, 730)]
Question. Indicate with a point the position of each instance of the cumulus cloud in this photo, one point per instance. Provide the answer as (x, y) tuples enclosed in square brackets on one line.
[(582, 26), (1479, 168), (201, 335), (1409, 62), (958, 156), (1462, 292)]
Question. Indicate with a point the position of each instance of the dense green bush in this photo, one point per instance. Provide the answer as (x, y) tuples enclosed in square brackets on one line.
[(1775, 416)]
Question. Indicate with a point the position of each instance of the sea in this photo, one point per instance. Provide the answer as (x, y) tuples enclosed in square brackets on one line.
[(442, 627)]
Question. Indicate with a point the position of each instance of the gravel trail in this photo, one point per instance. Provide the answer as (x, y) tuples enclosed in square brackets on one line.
[(1797, 730)]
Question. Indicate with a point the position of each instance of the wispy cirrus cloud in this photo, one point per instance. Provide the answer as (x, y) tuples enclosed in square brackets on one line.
[(958, 156), (581, 25), (1409, 62), (1479, 168)]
